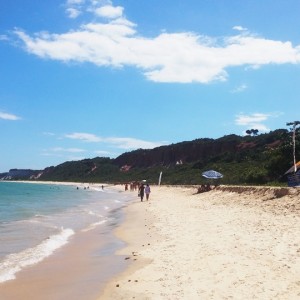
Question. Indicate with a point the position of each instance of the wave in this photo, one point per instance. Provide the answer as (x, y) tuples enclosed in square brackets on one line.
[(92, 213), (15, 262), (98, 189), (93, 226), (40, 216)]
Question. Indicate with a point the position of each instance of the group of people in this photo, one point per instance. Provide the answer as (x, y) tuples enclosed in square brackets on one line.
[(144, 190), (132, 186), (206, 188)]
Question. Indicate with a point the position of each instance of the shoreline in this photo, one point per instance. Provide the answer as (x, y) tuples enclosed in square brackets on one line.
[(78, 270), (233, 242), (79, 184)]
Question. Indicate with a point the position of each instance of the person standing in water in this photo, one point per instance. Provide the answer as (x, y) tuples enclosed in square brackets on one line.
[(142, 191), (147, 191)]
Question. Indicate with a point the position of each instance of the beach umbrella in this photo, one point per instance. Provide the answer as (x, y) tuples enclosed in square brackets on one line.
[(211, 174)]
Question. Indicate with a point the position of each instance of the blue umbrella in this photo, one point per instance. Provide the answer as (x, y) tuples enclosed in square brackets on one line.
[(211, 174)]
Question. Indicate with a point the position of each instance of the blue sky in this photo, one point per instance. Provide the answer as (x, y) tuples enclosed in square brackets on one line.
[(87, 78)]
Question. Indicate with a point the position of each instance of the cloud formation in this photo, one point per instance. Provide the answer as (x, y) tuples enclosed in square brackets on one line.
[(253, 121), (132, 143), (126, 143), (109, 11), (10, 117), (86, 137), (112, 40), (239, 89), (239, 28)]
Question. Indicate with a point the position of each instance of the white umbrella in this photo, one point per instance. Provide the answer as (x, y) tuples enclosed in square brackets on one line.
[(211, 174)]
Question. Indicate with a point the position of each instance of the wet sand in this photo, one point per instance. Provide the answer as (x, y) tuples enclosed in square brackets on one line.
[(78, 270), (230, 243)]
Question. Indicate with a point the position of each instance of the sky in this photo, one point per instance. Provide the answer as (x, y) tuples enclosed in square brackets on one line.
[(87, 78)]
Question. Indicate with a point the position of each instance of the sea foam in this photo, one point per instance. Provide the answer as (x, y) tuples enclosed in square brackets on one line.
[(93, 226), (15, 262)]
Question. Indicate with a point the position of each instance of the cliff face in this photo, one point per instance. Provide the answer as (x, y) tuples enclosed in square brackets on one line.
[(185, 152), (200, 151)]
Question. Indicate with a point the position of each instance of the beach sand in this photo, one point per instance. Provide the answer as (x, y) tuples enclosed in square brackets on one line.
[(229, 243)]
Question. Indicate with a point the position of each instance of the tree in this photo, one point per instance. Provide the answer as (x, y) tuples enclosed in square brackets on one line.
[(252, 132)]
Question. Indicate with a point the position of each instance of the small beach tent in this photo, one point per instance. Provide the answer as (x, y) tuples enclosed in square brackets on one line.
[(292, 176)]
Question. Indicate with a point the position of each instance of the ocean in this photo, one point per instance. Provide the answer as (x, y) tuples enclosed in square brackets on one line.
[(38, 219)]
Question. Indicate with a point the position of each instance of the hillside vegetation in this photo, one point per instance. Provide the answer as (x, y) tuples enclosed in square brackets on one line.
[(259, 160)]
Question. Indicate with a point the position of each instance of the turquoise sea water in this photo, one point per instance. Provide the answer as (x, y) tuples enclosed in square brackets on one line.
[(37, 219)]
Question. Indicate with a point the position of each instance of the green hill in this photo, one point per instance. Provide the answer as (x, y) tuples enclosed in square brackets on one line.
[(259, 160)]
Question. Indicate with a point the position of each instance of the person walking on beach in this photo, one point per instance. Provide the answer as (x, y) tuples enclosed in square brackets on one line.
[(141, 191), (147, 191)]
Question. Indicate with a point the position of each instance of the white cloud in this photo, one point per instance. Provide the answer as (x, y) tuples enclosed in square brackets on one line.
[(74, 8), (119, 142), (86, 137), (250, 119), (239, 28), (132, 143), (109, 11), (67, 153), (10, 117), (115, 145), (254, 121), (100, 8), (169, 57), (239, 89), (73, 13), (72, 2)]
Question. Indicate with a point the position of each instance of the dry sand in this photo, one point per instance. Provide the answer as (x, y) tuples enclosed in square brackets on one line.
[(229, 243)]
